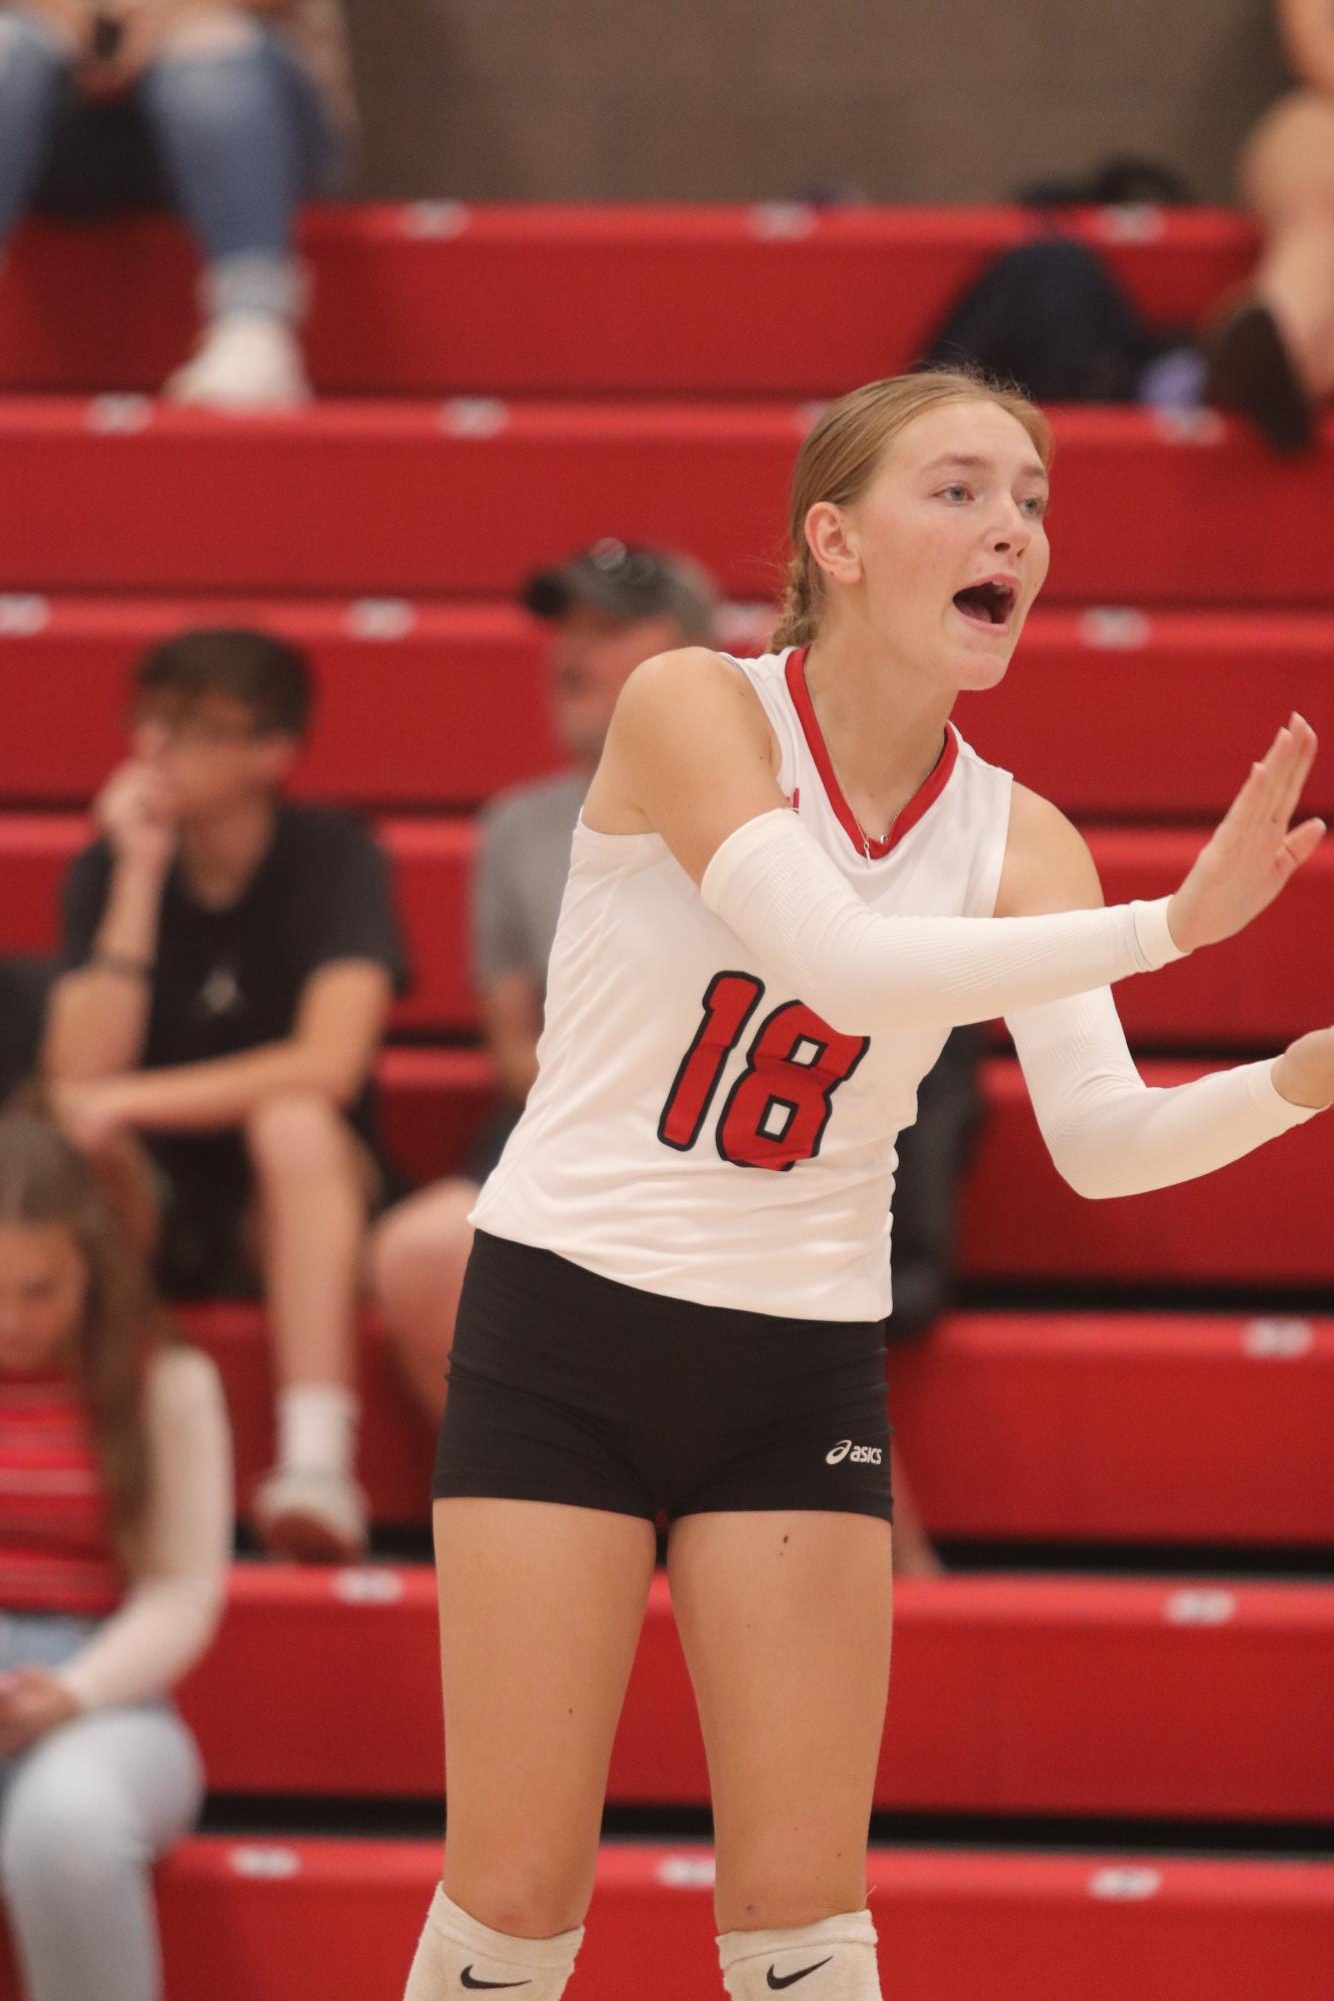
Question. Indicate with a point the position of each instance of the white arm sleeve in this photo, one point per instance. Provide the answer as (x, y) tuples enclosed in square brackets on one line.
[(775, 887), (1108, 1132), (175, 1601)]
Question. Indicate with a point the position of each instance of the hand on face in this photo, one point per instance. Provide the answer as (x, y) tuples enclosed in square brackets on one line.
[(31, 1703), (135, 811)]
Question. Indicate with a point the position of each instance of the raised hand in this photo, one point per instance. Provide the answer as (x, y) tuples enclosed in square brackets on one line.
[(1255, 850)]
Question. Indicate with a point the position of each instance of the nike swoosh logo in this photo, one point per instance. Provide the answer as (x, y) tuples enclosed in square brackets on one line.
[(469, 1979), (777, 1980)]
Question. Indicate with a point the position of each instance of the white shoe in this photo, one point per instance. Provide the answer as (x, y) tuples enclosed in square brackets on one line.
[(245, 361), (311, 1515)]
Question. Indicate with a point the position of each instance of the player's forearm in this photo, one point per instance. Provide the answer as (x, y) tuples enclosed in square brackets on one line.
[(1108, 1133), (223, 1092), (866, 973)]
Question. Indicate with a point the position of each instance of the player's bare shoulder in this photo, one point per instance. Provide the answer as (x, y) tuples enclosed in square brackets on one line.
[(1048, 865), (683, 718), (691, 683)]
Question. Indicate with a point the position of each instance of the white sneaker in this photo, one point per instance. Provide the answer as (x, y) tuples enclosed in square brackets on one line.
[(311, 1515), (245, 361)]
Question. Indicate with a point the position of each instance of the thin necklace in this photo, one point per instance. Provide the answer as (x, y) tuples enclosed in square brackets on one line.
[(889, 834)]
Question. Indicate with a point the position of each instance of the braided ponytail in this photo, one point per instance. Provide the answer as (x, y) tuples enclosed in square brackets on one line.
[(796, 620)]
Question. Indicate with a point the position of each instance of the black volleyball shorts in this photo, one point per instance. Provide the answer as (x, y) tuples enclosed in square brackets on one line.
[(566, 1386)]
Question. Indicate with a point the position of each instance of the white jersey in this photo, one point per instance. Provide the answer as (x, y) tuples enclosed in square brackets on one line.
[(695, 1130)]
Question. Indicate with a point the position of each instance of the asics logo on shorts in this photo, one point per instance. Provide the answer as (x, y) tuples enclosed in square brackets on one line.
[(857, 1455)]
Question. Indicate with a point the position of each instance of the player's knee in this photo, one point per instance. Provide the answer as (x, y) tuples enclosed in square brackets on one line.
[(526, 1898), (459, 1949), (297, 1133), (770, 1892)]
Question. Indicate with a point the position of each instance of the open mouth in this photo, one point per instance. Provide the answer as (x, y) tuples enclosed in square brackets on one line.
[(986, 604)]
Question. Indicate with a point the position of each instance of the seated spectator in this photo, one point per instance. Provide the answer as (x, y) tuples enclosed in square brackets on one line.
[(115, 1535), (230, 959), (230, 111), (23, 990), (606, 609), (1272, 349)]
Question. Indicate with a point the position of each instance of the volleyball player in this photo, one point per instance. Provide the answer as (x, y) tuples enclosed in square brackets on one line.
[(790, 879)]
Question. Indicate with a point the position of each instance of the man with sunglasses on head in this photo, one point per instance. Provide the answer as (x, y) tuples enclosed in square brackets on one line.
[(605, 610), (229, 962)]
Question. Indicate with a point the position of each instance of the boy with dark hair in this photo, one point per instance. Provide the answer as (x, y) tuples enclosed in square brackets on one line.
[(229, 963)]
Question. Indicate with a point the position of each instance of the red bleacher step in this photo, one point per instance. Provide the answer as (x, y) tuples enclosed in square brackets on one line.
[(1010, 1694), (1255, 991), (1017, 1425), (1011, 1424), (1263, 1222), (271, 1919), (1111, 712), (951, 1922), (350, 498), (599, 300)]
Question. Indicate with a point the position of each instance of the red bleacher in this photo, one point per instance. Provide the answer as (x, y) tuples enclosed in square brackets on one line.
[(1260, 1223), (1111, 712), (563, 374), (1013, 1694), (1257, 990), (365, 497), (271, 1919), (432, 296), (1014, 1424)]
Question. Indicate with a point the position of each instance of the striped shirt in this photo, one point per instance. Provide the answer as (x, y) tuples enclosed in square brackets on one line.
[(56, 1551)]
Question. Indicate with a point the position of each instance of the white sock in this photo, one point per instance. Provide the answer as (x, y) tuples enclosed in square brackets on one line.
[(830, 1961), (453, 1945), (317, 1428)]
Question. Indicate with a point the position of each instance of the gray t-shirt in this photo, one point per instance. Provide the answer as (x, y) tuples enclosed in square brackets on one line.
[(519, 878)]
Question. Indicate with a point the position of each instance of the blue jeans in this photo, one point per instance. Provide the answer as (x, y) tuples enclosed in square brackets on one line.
[(84, 1813), (233, 137)]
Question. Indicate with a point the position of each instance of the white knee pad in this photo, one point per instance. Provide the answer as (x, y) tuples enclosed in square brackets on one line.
[(830, 1961), (455, 1954)]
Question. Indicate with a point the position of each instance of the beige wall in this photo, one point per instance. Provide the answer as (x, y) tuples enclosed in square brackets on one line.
[(742, 99)]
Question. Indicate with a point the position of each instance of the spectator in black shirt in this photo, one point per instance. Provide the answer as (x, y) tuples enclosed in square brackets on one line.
[(229, 963)]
